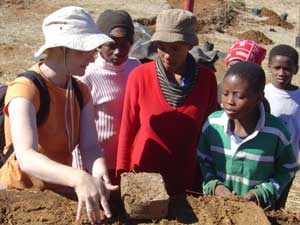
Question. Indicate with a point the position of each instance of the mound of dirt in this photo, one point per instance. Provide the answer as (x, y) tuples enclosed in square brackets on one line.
[(267, 13), (223, 18), (37, 207), (256, 36), (282, 217), (277, 21), (217, 211), (274, 19), (209, 19)]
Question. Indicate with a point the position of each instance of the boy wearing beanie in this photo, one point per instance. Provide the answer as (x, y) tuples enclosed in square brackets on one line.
[(107, 78)]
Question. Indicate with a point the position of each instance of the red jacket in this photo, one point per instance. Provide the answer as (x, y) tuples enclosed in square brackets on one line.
[(155, 137)]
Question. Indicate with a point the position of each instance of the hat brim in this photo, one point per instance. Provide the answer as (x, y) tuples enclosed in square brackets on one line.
[(175, 37), (77, 42)]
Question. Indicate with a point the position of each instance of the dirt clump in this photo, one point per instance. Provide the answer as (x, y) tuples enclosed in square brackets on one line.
[(267, 13), (212, 15), (144, 195), (212, 210), (283, 217), (277, 21), (256, 36), (274, 19), (219, 22)]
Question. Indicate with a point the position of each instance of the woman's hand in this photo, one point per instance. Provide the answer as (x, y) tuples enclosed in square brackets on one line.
[(221, 190), (99, 170), (91, 191)]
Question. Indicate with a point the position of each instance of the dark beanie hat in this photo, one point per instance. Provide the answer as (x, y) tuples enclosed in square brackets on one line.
[(116, 18)]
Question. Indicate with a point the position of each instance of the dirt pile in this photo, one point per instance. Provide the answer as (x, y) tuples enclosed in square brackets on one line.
[(223, 18), (274, 19), (256, 36), (213, 18), (267, 13), (217, 211), (282, 217), (277, 21), (36, 207)]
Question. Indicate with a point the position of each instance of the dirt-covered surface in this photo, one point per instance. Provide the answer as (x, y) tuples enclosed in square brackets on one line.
[(36, 207)]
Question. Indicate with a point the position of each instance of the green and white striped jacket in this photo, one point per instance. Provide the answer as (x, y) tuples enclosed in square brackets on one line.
[(263, 162)]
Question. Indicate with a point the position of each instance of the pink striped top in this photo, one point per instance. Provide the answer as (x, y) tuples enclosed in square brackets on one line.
[(107, 84)]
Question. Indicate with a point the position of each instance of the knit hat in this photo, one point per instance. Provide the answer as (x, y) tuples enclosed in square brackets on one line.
[(246, 50), (174, 25), (110, 19), (71, 27)]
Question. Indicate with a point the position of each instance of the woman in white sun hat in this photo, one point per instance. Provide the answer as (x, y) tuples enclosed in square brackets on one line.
[(43, 155)]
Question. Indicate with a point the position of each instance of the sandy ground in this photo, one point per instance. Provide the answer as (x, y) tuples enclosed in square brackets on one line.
[(21, 35)]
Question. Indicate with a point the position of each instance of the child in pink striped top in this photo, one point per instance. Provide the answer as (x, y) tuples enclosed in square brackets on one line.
[(107, 78)]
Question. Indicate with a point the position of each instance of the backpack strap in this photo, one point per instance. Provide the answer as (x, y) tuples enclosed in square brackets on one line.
[(77, 93), (4, 157), (43, 110), (44, 104), (3, 89), (44, 94)]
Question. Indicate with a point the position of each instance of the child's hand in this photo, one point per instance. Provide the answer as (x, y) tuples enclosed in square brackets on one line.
[(221, 190), (251, 196)]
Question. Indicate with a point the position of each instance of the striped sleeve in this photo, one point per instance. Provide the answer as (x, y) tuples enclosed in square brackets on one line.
[(206, 163), (285, 169)]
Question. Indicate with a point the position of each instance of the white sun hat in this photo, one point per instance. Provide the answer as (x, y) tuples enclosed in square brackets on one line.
[(71, 27)]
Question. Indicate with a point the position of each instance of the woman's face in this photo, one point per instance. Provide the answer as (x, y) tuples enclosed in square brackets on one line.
[(77, 61), (173, 55)]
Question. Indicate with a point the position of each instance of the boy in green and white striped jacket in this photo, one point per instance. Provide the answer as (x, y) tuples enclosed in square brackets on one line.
[(244, 150)]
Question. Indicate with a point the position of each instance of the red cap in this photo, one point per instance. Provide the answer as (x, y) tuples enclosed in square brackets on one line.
[(246, 50)]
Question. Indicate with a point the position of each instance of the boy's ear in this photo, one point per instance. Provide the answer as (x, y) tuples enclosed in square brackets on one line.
[(261, 96), (296, 69)]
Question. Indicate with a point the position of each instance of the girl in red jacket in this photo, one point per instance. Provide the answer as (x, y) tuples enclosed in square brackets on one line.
[(166, 102)]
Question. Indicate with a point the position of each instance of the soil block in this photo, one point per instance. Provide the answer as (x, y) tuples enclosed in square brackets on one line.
[(144, 195)]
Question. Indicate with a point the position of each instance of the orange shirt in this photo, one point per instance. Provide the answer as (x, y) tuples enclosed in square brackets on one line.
[(52, 136)]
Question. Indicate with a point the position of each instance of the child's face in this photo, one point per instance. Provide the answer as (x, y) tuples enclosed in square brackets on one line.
[(173, 55), (238, 98), (282, 70), (115, 52)]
